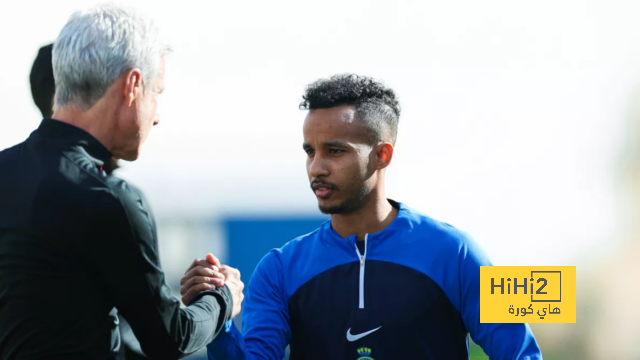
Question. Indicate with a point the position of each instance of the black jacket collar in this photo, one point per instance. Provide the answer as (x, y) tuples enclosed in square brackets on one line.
[(64, 134)]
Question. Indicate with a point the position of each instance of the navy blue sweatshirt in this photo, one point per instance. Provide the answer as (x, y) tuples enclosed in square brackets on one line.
[(413, 293)]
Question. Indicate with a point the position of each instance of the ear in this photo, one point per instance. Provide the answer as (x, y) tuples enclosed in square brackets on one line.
[(384, 155), (133, 85)]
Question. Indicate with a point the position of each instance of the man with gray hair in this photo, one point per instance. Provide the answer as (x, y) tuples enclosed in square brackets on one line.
[(77, 245)]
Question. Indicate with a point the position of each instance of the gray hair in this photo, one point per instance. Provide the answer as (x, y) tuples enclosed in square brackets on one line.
[(97, 46)]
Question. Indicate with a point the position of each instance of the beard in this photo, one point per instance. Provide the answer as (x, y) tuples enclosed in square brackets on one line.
[(350, 205)]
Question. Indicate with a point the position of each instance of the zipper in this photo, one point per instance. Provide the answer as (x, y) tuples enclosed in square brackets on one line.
[(362, 260)]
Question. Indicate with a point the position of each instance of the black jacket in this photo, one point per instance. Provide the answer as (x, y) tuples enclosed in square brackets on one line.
[(77, 244)]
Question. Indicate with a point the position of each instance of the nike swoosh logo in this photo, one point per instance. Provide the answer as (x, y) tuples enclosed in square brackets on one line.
[(359, 336)]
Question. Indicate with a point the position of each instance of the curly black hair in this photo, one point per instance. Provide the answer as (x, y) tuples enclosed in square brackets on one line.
[(376, 105)]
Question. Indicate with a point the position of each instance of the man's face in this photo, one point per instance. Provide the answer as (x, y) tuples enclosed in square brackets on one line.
[(339, 161), (142, 117)]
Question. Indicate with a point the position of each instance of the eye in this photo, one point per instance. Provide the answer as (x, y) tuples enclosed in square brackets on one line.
[(336, 151), (310, 152)]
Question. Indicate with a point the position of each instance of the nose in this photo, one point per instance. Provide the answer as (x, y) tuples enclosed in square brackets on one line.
[(156, 120), (317, 167)]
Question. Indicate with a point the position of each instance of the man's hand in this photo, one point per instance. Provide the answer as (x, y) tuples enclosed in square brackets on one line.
[(207, 275), (232, 279), (200, 276)]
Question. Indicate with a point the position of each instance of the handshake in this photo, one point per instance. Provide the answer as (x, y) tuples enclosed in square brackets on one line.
[(208, 274)]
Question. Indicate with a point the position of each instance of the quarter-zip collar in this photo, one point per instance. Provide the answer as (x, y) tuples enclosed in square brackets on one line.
[(397, 225)]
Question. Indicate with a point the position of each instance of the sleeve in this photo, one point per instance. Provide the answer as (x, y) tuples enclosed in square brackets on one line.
[(124, 250), (499, 341), (265, 320)]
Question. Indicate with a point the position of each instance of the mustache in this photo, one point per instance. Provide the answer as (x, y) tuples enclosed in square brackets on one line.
[(322, 183)]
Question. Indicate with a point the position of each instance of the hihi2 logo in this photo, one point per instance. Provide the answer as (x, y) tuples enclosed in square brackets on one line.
[(527, 294)]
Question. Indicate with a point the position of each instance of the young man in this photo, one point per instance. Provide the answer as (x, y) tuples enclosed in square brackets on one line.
[(379, 280)]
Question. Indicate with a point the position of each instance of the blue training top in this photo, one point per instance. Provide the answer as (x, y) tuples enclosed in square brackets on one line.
[(413, 294)]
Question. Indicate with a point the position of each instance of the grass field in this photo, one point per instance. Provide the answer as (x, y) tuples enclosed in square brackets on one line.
[(475, 352)]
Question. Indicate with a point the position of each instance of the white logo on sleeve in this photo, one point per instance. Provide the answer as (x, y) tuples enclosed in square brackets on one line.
[(359, 336)]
